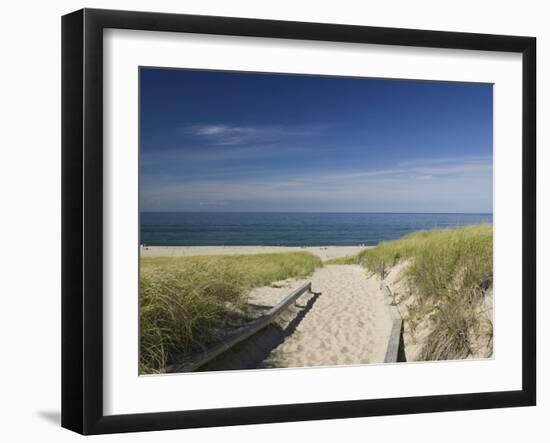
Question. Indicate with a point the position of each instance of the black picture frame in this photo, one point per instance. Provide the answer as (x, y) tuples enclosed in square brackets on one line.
[(82, 218)]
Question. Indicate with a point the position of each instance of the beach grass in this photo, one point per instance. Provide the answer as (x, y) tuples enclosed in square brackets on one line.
[(185, 302), (449, 271), (346, 260)]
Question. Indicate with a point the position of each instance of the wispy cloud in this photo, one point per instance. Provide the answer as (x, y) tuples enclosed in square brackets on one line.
[(463, 185), (445, 160), (226, 134), (418, 170)]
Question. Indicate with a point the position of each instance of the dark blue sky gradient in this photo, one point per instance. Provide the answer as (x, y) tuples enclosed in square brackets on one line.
[(207, 137)]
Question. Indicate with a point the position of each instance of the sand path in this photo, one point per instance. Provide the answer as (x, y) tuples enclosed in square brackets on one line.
[(346, 322)]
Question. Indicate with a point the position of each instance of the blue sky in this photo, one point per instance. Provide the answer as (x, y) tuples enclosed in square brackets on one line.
[(227, 141)]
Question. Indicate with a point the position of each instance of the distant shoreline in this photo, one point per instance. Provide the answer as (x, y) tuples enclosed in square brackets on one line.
[(323, 252)]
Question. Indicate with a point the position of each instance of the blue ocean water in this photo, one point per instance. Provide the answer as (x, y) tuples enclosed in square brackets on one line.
[(289, 228)]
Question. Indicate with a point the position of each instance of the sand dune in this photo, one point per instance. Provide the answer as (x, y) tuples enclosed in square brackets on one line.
[(324, 252)]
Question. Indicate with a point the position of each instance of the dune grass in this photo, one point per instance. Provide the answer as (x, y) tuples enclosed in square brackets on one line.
[(346, 260), (450, 272), (185, 302)]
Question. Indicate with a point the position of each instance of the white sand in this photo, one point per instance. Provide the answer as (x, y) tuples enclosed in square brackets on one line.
[(324, 252), (348, 323)]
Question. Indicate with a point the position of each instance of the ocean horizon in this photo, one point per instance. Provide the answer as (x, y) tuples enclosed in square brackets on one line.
[(292, 228)]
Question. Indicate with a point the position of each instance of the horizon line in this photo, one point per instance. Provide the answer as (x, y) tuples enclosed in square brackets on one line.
[(313, 212)]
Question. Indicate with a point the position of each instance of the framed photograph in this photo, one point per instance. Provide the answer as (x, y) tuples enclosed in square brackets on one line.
[(269, 221)]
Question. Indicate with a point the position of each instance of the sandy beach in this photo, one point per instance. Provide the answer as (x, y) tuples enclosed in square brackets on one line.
[(345, 321), (324, 252)]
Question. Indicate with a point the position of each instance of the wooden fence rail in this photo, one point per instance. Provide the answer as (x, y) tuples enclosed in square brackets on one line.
[(240, 334)]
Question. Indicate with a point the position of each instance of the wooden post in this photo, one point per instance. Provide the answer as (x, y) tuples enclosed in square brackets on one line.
[(392, 351), (394, 341)]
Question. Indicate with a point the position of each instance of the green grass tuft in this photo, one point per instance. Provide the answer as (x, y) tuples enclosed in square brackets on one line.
[(186, 302), (347, 260)]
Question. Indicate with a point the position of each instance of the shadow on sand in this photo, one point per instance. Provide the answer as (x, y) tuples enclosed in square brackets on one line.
[(253, 352)]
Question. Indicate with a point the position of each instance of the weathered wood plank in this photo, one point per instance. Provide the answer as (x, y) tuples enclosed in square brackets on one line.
[(240, 334), (392, 352)]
